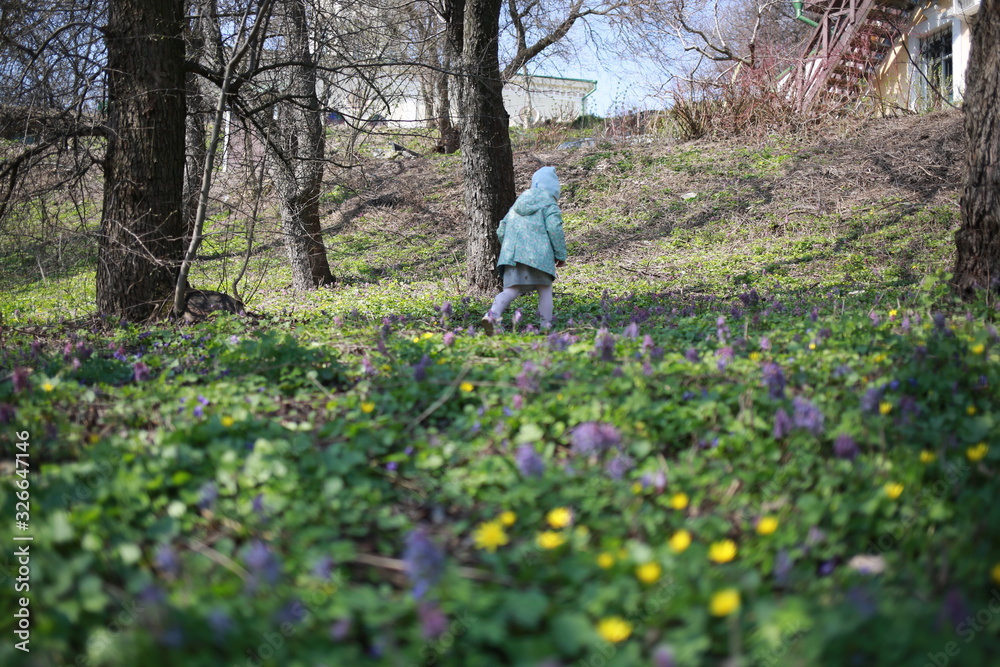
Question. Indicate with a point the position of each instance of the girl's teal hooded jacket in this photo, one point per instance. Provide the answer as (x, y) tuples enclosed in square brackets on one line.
[(532, 231)]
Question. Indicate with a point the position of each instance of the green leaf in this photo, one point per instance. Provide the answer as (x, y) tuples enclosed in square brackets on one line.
[(571, 632)]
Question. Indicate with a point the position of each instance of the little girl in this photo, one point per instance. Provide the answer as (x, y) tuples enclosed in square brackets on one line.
[(532, 245)]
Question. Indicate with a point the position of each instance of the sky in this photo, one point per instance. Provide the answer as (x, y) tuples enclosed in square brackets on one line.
[(621, 85)]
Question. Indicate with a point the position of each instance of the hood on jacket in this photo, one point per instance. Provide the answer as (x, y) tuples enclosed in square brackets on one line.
[(532, 201), (546, 179)]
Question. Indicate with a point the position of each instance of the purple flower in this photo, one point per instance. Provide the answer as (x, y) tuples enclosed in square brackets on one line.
[(209, 492), (725, 356), (420, 368), (663, 656), (807, 416), (721, 329), (844, 447), (323, 567), (258, 504), (774, 379), (647, 344), (449, 338), (529, 462), (220, 623), (527, 379), (203, 400), (691, 355), (262, 562), (167, 561), (20, 379), (367, 367), (199, 411), (604, 345), (656, 480), (594, 438), (446, 309), (765, 343), (782, 424), (782, 567), (632, 330), (618, 466), (140, 371), (424, 561), (36, 347), (433, 622), (827, 567), (392, 465), (7, 413), (871, 399), (340, 630)]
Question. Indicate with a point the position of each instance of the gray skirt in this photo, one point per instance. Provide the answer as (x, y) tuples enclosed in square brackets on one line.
[(522, 274)]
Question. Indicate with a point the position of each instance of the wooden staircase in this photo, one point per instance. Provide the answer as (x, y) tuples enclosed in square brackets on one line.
[(845, 49)]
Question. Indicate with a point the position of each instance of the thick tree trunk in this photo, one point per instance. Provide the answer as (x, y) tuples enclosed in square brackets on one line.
[(487, 159), (298, 171), (977, 261), (142, 230)]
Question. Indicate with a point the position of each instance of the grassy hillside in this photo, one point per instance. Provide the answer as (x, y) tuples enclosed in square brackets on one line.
[(761, 433)]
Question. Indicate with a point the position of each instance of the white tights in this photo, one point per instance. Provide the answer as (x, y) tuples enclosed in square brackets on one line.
[(504, 298)]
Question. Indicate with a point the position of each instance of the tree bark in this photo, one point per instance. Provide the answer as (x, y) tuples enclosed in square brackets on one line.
[(298, 170), (142, 229), (487, 159), (977, 261)]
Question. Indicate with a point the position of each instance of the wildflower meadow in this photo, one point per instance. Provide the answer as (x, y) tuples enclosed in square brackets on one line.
[(727, 468)]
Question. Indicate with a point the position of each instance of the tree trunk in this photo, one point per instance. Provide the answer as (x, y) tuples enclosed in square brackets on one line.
[(487, 159), (142, 229), (977, 261), (298, 171)]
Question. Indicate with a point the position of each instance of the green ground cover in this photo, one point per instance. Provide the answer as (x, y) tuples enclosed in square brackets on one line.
[(772, 443)]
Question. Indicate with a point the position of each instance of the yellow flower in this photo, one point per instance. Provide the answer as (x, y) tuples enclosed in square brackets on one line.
[(550, 539), (605, 560), (679, 501), (416, 339), (878, 358), (637, 488), (648, 573), (508, 518), (971, 410), (767, 525), (466, 386), (812, 346), (884, 408), (995, 574), (722, 552), (386, 367), (490, 535), (894, 490), (680, 541), (48, 386), (614, 629), (427, 334), (927, 456), (978, 348), (367, 407), (755, 356), (724, 602), (978, 452), (560, 517), (227, 421), (893, 312), (94, 438)]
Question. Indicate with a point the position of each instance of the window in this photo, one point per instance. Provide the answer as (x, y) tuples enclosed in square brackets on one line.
[(935, 63)]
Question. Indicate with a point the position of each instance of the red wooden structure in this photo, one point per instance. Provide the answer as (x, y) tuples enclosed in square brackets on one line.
[(845, 49)]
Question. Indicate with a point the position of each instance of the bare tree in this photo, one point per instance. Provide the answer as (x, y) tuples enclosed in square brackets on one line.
[(977, 261)]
